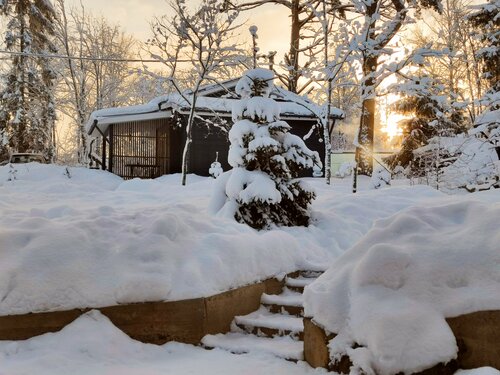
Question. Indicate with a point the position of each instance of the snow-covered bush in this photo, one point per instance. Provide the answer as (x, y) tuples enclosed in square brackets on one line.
[(345, 170), (430, 160), (399, 172), (430, 113), (12, 173), (478, 164), (381, 177), (262, 188)]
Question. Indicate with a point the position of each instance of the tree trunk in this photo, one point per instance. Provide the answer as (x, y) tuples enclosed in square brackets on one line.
[(189, 130), (21, 143), (367, 120), (293, 55)]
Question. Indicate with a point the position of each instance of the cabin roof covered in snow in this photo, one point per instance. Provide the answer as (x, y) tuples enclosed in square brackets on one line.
[(216, 99)]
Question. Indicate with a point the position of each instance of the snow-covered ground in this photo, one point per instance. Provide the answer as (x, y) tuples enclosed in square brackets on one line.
[(92, 345), (93, 240), (81, 238)]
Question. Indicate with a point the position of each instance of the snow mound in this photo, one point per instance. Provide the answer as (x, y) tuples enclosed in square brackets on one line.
[(94, 240), (392, 291), (56, 178), (92, 345), (479, 371)]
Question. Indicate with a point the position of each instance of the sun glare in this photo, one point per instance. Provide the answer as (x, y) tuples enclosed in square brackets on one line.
[(391, 128), (389, 122)]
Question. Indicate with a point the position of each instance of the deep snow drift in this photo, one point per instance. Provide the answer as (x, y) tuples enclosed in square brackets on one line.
[(93, 345), (391, 292), (93, 240), (81, 238)]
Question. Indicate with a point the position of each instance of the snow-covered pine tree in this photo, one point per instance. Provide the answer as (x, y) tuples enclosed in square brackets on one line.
[(262, 188), (430, 114), (487, 21), (27, 112)]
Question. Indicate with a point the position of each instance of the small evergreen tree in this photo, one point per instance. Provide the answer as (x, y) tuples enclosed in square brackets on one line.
[(262, 188), (431, 115), (487, 22), (27, 112)]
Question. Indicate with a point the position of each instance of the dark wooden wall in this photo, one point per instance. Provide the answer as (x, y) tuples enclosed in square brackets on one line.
[(207, 141), (151, 148)]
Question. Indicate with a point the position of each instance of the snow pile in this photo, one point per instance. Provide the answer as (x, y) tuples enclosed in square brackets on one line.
[(479, 371), (93, 345), (391, 292), (53, 178), (95, 240)]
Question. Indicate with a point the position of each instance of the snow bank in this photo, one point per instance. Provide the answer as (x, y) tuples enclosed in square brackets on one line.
[(93, 345), (391, 292), (479, 371), (54, 178), (95, 240)]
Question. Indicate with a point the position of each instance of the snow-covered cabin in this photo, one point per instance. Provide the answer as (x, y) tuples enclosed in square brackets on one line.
[(147, 140)]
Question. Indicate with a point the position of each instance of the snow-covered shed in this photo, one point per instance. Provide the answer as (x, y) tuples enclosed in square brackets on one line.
[(147, 140)]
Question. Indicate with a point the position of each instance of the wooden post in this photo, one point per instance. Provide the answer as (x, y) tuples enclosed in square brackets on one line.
[(111, 148), (104, 152)]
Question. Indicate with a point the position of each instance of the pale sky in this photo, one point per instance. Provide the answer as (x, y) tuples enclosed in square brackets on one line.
[(134, 17)]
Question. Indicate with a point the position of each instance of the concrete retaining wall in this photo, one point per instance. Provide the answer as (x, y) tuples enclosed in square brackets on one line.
[(153, 322), (477, 335)]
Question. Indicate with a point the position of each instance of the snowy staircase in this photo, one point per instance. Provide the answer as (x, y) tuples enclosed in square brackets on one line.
[(275, 328)]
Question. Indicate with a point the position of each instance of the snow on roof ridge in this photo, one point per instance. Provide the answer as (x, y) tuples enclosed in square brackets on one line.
[(290, 104)]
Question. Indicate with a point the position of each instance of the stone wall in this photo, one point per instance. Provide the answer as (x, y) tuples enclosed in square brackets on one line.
[(153, 322)]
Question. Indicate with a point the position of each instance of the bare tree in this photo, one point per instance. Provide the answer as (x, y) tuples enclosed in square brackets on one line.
[(303, 35), (458, 66), (200, 41), (89, 78)]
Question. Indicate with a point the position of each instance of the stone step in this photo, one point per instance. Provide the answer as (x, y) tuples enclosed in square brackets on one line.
[(235, 342), (298, 284), (311, 274), (264, 323), (297, 311), (289, 302)]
